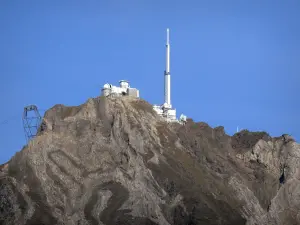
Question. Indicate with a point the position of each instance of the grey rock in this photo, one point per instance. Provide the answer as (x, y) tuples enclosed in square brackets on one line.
[(114, 161)]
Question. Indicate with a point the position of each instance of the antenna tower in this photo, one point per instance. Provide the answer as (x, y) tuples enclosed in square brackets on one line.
[(31, 121)]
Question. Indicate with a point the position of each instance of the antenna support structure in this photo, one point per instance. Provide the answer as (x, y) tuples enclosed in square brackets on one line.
[(31, 121), (165, 110)]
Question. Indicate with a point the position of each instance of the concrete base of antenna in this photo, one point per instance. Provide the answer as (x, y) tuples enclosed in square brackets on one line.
[(168, 114)]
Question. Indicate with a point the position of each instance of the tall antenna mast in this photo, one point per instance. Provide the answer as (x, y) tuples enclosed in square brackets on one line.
[(167, 72)]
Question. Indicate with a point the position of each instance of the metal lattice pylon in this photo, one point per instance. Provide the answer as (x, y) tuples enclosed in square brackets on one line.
[(31, 121)]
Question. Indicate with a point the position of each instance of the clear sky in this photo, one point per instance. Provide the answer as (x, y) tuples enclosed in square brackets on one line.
[(233, 63)]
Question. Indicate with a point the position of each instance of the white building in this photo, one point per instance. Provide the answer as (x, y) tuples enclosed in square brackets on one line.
[(123, 90)]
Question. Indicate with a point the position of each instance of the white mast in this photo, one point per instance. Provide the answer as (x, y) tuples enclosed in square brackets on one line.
[(167, 73)]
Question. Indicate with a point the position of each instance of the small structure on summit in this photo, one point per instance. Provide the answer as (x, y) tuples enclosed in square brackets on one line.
[(123, 90), (31, 121)]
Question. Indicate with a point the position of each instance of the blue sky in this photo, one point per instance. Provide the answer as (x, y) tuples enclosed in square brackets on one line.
[(233, 63)]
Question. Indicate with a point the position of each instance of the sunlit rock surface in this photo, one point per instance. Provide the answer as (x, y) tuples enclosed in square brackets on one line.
[(114, 161)]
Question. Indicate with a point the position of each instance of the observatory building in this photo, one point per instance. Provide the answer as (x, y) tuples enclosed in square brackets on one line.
[(123, 90)]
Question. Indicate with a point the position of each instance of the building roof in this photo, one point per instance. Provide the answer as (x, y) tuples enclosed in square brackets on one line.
[(123, 81)]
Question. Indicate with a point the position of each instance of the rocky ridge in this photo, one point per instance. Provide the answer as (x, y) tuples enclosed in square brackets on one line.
[(114, 161)]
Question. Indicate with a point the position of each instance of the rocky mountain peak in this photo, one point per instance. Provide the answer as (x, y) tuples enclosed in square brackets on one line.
[(115, 161)]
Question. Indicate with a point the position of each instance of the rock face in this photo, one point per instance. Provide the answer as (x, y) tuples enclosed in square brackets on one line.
[(114, 161)]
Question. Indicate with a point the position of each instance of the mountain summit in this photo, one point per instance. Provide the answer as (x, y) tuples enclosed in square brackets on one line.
[(115, 161)]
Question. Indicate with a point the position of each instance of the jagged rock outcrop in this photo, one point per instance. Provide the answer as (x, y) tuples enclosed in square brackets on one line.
[(114, 161)]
